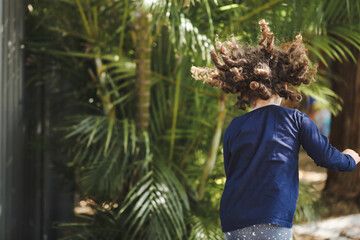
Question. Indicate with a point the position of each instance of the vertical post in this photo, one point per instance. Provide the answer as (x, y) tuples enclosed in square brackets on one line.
[(12, 184), (2, 136)]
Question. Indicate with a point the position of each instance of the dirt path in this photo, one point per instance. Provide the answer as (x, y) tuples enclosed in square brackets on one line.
[(341, 228)]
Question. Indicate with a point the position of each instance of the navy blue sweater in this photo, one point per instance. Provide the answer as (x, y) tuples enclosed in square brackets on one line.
[(261, 150)]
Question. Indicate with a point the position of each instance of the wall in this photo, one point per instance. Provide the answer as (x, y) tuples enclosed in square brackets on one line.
[(32, 195), (11, 119)]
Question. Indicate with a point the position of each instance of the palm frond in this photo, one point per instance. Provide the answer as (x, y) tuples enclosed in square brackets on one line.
[(321, 91), (106, 152), (309, 206), (202, 229), (156, 203)]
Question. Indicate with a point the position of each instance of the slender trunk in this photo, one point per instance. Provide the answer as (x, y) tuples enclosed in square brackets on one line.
[(143, 59), (209, 165), (345, 129), (175, 113), (105, 98)]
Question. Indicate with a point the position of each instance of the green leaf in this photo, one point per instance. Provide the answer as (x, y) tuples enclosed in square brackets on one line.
[(93, 132), (109, 133)]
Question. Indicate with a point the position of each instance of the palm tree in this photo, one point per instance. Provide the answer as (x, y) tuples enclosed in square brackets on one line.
[(146, 145), (115, 158)]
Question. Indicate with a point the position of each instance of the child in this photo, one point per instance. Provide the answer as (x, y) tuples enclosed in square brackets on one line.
[(261, 147)]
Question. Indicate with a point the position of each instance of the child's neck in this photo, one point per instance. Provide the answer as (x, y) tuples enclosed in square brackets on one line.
[(274, 100)]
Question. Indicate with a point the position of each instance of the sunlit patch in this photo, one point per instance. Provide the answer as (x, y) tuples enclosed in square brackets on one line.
[(149, 3), (161, 200), (220, 180), (30, 7), (200, 235), (83, 203)]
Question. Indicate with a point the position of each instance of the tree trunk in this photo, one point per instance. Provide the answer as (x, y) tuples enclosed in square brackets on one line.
[(345, 129), (210, 162), (143, 59)]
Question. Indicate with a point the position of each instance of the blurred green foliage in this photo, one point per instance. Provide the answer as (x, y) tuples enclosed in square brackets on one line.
[(164, 183)]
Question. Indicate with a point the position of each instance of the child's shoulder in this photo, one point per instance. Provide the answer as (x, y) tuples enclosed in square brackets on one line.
[(290, 113), (285, 112), (290, 110), (269, 108)]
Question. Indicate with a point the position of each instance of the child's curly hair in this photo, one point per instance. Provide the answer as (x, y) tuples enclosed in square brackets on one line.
[(258, 72)]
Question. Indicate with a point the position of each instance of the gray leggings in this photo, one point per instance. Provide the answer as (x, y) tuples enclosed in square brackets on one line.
[(260, 231)]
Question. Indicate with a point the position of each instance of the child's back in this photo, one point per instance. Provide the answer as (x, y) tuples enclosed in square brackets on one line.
[(261, 163)]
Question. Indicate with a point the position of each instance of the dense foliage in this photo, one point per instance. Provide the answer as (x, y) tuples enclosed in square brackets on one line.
[(163, 178)]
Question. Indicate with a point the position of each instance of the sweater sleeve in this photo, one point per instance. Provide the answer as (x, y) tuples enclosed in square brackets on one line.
[(318, 148)]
